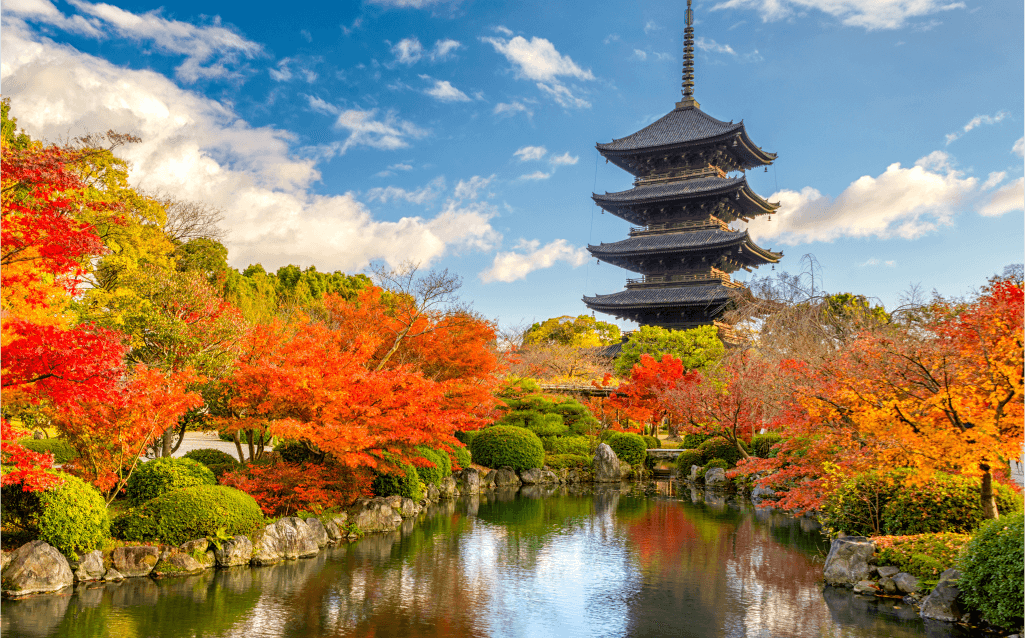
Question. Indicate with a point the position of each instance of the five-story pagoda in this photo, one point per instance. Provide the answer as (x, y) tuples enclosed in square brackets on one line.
[(682, 203)]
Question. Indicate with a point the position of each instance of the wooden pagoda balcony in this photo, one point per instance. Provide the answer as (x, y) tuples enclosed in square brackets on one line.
[(665, 281), (683, 173), (654, 229)]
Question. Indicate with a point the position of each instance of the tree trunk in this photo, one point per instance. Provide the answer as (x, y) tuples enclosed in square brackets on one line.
[(249, 439), (989, 501), (165, 442), (238, 446)]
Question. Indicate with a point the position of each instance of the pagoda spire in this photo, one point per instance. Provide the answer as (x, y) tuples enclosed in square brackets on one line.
[(688, 100)]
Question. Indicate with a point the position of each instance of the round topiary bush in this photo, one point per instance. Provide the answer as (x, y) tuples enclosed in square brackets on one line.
[(71, 516), (442, 465), (629, 447), (160, 476), (190, 513), (652, 442), (508, 445), (761, 444), (686, 459), (718, 447), (571, 461), (60, 449), (991, 567), (402, 480), (567, 445), (219, 462), (467, 438)]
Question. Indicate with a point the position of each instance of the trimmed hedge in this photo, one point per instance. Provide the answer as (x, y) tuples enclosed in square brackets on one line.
[(508, 445), (467, 437), (60, 449), (160, 476), (761, 444), (686, 459), (887, 503), (580, 445), (629, 447), (991, 567), (71, 516), (404, 481), (718, 447), (442, 465), (571, 461), (190, 513), (219, 462)]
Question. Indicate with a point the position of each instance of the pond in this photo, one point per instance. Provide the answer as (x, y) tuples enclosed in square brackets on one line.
[(537, 562)]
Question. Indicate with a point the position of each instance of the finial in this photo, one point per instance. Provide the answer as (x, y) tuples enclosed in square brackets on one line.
[(688, 63)]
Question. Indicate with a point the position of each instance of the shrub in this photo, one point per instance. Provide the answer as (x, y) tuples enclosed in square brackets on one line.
[(629, 447), (401, 479), (282, 489), (686, 459), (219, 462), (761, 444), (887, 503), (574, 461), (459, 457), (720, 463), (579, 445), (991, 567), (718, 447), (467, 437), (652, 442), (60, 449), (72, 516), (441, 465), (502, 445), (549, 425), (190, 513), (159, 476), (693, 441), (922, 555)]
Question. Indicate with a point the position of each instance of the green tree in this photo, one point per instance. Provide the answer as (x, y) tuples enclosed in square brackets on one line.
[(581, 332), (696, 348)]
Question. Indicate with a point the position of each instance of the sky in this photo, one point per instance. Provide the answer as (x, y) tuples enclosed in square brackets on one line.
[(460, 135)]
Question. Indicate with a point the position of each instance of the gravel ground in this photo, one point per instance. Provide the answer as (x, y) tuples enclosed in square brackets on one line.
[(206, 440)]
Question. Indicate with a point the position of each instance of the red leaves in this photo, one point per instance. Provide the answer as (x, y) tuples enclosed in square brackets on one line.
[(28, 467), (282, 489)]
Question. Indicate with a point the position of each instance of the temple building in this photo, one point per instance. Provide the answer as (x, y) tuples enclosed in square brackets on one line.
[(686, 194)]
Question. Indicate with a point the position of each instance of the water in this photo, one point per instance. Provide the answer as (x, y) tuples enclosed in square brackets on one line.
[(541, 562)]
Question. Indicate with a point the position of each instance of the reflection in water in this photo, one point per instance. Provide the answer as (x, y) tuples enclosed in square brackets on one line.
[(539, 562)]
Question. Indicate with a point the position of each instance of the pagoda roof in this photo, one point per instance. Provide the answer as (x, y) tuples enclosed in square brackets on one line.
[(705, 295), (686, 127), (622, 203), (696, 240)]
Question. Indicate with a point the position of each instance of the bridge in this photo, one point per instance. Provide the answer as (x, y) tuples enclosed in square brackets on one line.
[(570, 388)]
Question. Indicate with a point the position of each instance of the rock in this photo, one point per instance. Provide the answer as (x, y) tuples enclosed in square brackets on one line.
[(693, 476), (549, 477), (448, 488), (715, 478), (942, 603), (887, 586), (88, 567), (318, 533), (606, 465), (865, 587), (408, 508), (487, 480), (572, 476), (847, 562), (236, 551), (113, 575), (759, 493), (288, 538), (377, 515), (395, 501), (533, 476), (177, 563), (200, 550), (887, 571), (433, 493), (335, 526), (5, 557), (506, 477), (468, 481), (625, 471), (34, 568), (906, 583), (135, 561)]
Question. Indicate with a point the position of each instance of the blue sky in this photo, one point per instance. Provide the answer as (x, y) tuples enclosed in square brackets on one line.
[(461, 134)]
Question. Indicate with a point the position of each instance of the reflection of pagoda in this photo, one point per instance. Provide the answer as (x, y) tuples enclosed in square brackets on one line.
[(682, 203)]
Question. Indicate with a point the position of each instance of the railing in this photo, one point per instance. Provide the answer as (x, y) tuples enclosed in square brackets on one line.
[(656, 280), (687, 173), (711, 222)]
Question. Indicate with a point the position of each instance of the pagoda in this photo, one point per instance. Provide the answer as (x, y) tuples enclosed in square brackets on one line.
[(686, 194)]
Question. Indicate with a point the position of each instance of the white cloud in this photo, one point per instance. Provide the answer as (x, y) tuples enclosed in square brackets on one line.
[(408, 51), (421, 195), (639, 55), (1019, 147), (536, 175), (564, 159), (503, 30), (389, 133), (610, 38), (650, 26), (400, 167), (902, 202), (442, 49), (471, 188), (406, 4), (1006, 199), (44, 11), (528, 153), (872, 261), (322, 106), (662, 57), (510, 266), (283, 73), (975, 122), (868, 14), (707, 44), (199, 149), (443, 91), (538, 60), (512, 108), (994, 178)]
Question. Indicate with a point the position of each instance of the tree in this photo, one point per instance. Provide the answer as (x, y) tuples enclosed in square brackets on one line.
[(640, 399), (580, 332), (696, 348)]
